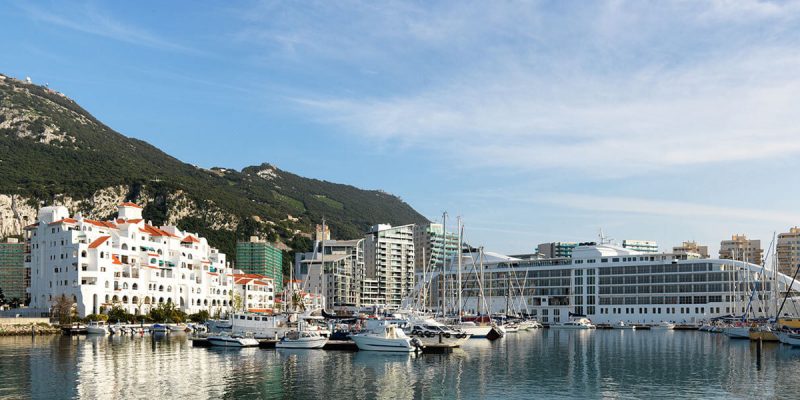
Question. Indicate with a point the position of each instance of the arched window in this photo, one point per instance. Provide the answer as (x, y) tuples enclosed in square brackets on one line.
[(225, 292), (107, 297), (160, 252), (153, 261), (101, 254), (169, 288), (125, 285), (160, 299), (160, 288), (125, 299), (205, 302), (83, 253), (225, 303), (135, 286), (169, 300), (124, 246), (190, 256), (147, 300), (134, 300), (106, 287), (115, 299)]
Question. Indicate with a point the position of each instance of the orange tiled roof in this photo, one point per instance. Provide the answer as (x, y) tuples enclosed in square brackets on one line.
[(190, 239), (129, 221), (129, 204), (153, 231), (64, 221), (101, 224), (98, 242)]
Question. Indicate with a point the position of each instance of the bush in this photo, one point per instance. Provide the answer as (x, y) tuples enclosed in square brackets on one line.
[(199, 317), (96, 317), (118, 314), (167, 312)]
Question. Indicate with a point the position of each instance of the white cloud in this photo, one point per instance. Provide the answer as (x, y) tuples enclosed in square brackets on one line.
[(89, 20), (618, 86), (683, 210)]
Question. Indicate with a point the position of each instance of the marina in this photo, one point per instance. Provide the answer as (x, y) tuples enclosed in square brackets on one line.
[(544, 363)]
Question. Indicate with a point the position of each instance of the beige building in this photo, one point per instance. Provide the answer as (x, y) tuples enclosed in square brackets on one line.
[(788, 250), (691, 247), (742, 249)]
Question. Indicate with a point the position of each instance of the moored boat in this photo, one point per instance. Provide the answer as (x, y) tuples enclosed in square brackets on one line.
[(623, 325), (386, 337), (302, 339), (737, 332), (97, 328), (578, 323), (663, 325), (763, 333), (225, 340)]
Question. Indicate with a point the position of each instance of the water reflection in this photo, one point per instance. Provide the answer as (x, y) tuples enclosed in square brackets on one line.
[(545, 363)]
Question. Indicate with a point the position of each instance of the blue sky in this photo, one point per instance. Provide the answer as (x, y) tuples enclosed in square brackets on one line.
[(535, 121)]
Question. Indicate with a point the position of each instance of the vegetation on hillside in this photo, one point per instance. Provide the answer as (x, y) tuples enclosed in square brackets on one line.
[(86, 156)]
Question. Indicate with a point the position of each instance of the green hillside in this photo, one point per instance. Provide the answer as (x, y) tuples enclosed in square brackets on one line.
[(50, 147)]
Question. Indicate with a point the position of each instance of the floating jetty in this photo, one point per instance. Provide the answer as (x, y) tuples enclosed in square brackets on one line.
[(335, 345)]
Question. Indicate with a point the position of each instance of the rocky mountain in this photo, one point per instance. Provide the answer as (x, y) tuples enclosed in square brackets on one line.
[(52, 151)]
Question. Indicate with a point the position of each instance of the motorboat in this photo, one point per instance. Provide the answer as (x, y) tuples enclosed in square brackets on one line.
[(530, 324), (663, 325), (159, 328), (386, 337), (226, 340), (474, 330), (511, 328), (177, 328), (430, 331), (623, 325), (578, 323), (97, 328), (302, 340)]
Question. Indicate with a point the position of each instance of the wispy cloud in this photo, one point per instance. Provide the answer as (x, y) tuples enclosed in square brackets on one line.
[(90, 20), (537, 85), (682, 210)]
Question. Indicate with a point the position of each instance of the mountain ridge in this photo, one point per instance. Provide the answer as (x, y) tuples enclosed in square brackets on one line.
[(54, 151)]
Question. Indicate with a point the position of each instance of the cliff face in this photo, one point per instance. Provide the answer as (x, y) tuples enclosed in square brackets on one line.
[(52, 151)]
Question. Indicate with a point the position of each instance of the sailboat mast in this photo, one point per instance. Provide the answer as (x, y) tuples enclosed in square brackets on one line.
[(458, 255), (322, 266)]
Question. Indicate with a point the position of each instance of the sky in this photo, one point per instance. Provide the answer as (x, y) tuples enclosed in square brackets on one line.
[(534, 121)]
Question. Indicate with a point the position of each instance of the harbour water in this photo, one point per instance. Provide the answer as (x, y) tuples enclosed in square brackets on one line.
[(537, 364)]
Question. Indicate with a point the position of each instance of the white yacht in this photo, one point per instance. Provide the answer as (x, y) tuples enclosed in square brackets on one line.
[(226, 340), (623, 325), (302, 340), (578, 323), (430, 331), (663, 325), (97, 328), (386, 337)]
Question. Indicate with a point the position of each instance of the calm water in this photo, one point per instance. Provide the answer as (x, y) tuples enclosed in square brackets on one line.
[(542, 364)]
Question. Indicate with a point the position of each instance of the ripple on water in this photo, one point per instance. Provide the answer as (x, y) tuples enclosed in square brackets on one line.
[(545, 363)]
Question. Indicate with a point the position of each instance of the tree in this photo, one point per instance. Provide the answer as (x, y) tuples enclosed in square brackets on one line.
[(118, 314), (199, 317), (64, 309), (167, 312), (297, 302), (236, 301), (2, 298)]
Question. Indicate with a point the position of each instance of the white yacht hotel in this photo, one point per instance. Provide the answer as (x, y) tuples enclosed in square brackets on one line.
[(125, 262), (608, 284)]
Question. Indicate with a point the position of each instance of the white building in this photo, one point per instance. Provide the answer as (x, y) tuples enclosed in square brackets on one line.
[(125, 262), (389, 260), (257, 292)]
